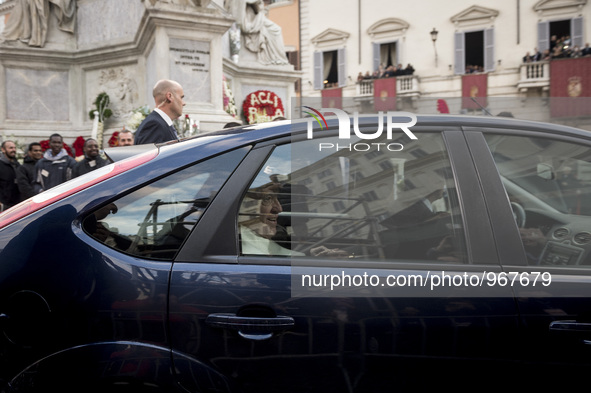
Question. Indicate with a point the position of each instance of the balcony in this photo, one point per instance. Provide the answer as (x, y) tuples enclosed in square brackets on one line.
[(534, 76), (406, 86)]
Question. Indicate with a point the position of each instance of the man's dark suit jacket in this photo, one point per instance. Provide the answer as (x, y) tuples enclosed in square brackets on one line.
[(153, 130)]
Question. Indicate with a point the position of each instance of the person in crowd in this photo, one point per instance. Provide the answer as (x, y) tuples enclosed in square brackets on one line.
[(553, 42), (537, 56), (576, 52), (25, 174), (389, 72), (409, 70), (55, 167), (9, 193), (125, 138), (381, 70), (91, 161), (527, 58), (232, 124), (360, 77), (157, 127), (586, 51)]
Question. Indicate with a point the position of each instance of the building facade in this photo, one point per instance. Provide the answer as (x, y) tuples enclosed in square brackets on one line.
[(469, 49)]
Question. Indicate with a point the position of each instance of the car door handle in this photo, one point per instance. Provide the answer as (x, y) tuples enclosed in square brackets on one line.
[(252, 328), (570, 326)]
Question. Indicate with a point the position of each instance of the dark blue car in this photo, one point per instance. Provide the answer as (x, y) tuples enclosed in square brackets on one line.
[(288, 257)]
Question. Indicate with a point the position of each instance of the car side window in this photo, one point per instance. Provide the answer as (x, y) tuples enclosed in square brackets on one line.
[(367, 201), (153, 221), (548, 183)]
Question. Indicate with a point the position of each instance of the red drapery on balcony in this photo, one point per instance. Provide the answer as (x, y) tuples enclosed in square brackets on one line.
[(474, 91), (570, 87), (332, 98), (384, 94)]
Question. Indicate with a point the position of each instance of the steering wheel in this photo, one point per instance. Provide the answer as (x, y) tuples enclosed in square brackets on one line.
[(518, 214)]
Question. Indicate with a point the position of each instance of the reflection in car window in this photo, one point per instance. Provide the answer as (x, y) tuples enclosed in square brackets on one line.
[(355, 203), (153, 222), (548, 183)]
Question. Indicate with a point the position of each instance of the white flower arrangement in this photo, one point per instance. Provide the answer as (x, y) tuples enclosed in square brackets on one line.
[(229, 103), (137, 116)]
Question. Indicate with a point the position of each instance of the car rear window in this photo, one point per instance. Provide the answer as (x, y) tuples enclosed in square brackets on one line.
[(153, 221)]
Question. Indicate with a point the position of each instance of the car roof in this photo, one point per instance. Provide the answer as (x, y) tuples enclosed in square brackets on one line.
[(263, 131)]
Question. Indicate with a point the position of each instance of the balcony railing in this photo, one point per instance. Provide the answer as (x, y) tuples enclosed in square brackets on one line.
[(534, 75), (406, 86), (365, 88)]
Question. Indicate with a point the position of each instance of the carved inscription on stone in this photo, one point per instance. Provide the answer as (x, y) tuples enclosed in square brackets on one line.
[(190, 62), (41, 95)]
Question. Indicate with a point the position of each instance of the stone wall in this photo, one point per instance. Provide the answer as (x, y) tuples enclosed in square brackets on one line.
[(122, 48)]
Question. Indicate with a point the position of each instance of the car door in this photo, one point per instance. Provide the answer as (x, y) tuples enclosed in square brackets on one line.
[(314, 269), (545, 178)]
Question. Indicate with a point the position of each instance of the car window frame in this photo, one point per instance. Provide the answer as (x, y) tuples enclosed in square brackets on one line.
[(219, 221), (118, 196), (512, 254)]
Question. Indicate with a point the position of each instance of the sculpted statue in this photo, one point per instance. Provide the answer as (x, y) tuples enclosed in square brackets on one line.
[(261, 35), (29, 20)]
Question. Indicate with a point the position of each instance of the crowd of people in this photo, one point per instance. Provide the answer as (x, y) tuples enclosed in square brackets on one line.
[(41, 170), (472, 69), (559, 48), (386, 72)]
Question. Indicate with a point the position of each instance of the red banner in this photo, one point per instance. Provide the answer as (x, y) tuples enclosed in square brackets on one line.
[(332, 98), (474, 91), (570, 83), (384, 94)]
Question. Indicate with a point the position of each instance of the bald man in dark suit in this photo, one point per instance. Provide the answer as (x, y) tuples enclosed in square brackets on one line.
[(157, 127)]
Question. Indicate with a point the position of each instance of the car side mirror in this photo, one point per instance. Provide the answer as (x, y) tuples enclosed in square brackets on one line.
[(546, 172)]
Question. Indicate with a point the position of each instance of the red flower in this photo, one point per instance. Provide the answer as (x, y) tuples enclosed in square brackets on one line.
[(114, 140), (45, 144), (78, 146), (262, 105)]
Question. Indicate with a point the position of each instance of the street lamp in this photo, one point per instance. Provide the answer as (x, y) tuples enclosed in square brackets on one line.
[(434, 33)]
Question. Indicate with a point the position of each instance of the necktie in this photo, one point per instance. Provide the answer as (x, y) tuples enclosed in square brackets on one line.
[(173, 130)]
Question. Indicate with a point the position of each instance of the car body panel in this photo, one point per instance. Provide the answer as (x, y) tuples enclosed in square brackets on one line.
[(211, 319)]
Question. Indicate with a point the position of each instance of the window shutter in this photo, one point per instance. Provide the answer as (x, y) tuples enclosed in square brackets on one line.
[(543, 36), (576, 31), (489, 50), (459, 58), (318, 66), (342, 64), (376, 55)]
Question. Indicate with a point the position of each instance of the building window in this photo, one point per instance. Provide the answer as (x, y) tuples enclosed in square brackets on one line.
[(550, 32), (385, 55), (330, 69), (324, 173), (474, 51), (370, 196)]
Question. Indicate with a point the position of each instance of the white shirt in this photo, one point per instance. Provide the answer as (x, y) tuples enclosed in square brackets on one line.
[(253, 244), (164, 116)]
